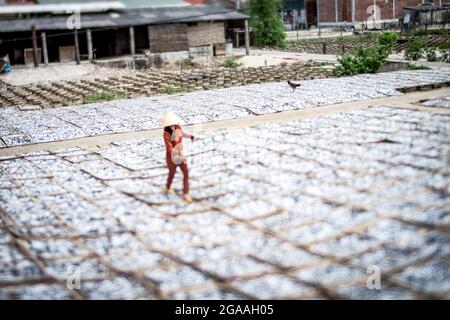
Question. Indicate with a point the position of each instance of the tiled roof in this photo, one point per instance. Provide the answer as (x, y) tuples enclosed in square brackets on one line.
[(131, 17)]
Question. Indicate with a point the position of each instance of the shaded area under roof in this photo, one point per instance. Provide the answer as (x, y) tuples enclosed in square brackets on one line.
[(130, 17)]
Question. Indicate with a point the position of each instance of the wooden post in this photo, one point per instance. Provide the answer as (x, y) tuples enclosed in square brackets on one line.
[(446, 18), (237, 39), (432, 17), (89, 45), (353, 12), (132, 43), (35, 48), (247, 38), (293, 20), (318, 13), (77, 47), (394, 9), (149, 38), (336, 10), (306, 15), (44, 47)]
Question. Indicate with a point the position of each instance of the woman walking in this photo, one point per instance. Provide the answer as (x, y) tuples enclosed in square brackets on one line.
[(173, 139)]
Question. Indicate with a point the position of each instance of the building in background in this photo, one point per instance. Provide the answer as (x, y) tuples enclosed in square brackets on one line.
[(299, 14), (354, 12), (425, 15), (113, 28), (294, 14)]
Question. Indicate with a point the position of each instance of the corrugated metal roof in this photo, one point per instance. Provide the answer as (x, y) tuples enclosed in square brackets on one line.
[(131, 3), (154, 3), (426, 7), (58, 8), (131, 17), (65, 1)]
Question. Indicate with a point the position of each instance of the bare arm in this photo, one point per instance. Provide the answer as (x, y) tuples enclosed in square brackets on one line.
[(187, 135)]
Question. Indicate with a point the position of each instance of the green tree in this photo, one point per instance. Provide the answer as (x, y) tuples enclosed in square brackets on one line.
[(268, 29)]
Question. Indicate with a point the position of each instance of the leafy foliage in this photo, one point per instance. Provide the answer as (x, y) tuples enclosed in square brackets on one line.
[(104, 96), (431, 55), (266, 22), (417, 67), (415, 48), (387, 38), (438, 32), (230, 62), (172, 90), (362, 60), (188, 62), (445, 45), (445, 50)]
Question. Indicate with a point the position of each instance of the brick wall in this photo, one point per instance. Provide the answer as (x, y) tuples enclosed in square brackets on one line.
[(328, 12), (168, 38), (206, 33)]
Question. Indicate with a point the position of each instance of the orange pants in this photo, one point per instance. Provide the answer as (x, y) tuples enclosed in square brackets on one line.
[(172, 169)]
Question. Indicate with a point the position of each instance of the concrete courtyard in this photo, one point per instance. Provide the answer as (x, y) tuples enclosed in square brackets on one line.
[(339, 190)]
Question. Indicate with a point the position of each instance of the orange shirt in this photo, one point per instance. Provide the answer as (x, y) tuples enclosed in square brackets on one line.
[(174, 141)]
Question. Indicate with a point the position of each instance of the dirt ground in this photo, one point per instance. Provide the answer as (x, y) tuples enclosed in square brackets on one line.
[(258, 58), (23, 75)]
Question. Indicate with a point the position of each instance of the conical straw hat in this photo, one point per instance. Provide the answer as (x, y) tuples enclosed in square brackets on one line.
[(169, 119)]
